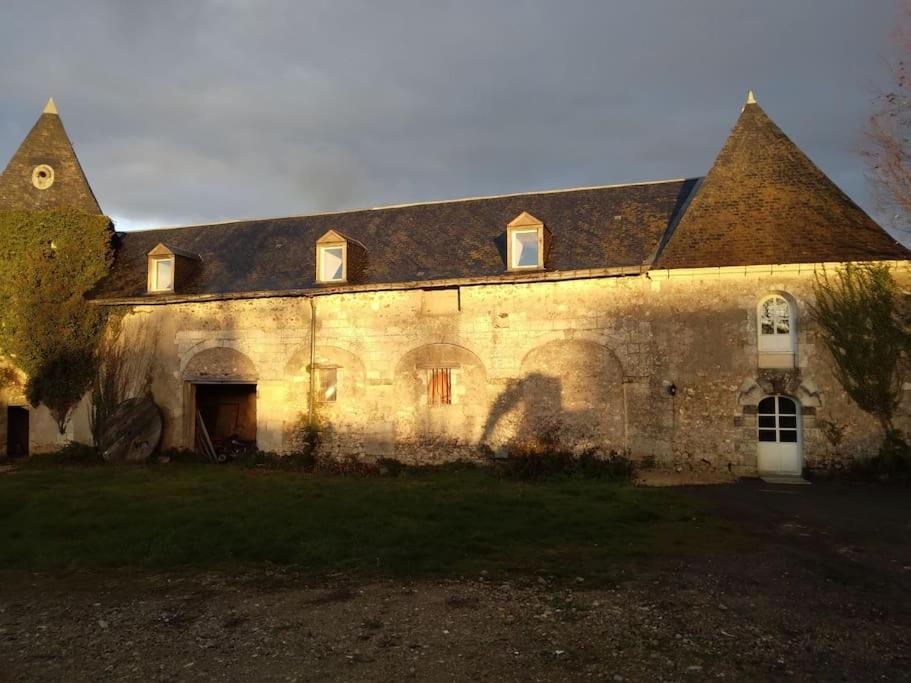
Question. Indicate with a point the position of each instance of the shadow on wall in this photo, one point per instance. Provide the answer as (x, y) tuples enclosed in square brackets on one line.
[(527, 413), (530, 415), (570, 395)]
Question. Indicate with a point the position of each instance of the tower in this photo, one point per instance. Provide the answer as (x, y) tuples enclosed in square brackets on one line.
[(45, 173), (765, 202)]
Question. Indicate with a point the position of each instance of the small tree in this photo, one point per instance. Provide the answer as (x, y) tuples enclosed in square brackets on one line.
[(61, 383), (857, 313)]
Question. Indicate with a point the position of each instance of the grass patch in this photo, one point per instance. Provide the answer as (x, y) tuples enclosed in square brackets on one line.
[(448, 522)]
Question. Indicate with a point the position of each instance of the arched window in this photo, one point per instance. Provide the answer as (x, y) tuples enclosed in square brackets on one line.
[(777, 332)]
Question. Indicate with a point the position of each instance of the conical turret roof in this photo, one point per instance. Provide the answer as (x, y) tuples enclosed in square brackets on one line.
[(45, 173), (765, 202)]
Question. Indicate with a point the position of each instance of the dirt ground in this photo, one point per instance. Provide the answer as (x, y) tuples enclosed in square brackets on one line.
[(824, 592)]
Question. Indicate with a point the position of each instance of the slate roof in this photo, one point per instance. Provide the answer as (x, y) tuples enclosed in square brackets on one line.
[(619, 226), (764, 202), (47, 143)]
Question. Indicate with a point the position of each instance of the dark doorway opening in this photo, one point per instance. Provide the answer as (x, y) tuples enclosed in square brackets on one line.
[(16, 431), (228, 412)]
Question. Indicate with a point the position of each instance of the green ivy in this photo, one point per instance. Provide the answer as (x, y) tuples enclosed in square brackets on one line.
[(49, 260)]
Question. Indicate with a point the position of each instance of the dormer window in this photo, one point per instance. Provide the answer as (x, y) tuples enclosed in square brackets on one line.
[(339, 259), (169, 268), (527, 242)]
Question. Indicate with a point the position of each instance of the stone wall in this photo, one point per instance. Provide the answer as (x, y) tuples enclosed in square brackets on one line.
[(43, 432), (589, 363)]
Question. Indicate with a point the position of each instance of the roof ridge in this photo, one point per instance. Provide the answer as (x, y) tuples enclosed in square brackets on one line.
[(254, 219)]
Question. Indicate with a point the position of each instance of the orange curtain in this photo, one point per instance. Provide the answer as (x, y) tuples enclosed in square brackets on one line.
[(439, 389)]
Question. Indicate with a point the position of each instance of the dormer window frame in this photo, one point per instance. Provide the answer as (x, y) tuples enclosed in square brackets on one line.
[(183, 264), (354, 258), (525, 224), (154, 262), (321, 250)]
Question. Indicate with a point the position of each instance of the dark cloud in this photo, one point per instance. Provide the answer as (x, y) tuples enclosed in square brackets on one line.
[(206, 110)]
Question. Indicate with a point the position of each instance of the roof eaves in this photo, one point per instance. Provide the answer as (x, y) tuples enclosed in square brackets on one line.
[(505, 278)]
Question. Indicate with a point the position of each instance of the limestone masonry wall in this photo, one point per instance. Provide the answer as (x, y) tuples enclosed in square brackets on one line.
[(588, 363)]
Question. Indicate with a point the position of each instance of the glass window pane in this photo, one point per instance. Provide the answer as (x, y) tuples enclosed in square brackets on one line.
[(767, 406), (332, 264), (788, 436), (328, 384), (786, 406), (767, 435), (164, 274), (525, 248), (788, 421), (767, 421), (775, 316)]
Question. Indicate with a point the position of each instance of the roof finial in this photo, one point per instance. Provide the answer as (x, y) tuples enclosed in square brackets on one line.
[(751, 98), (50, 107)]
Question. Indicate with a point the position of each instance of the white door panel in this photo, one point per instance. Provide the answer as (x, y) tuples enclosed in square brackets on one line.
[(778, 427)]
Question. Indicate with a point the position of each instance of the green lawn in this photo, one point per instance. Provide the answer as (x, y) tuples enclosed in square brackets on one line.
[(456, 522)]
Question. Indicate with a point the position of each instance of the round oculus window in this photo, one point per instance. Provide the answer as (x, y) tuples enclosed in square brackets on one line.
[(43, 176)]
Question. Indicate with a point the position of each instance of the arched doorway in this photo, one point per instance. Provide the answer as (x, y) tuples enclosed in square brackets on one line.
[(220, 400), (778, 431)]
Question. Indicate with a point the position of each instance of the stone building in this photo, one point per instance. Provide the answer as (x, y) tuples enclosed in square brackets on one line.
[(667, 320)]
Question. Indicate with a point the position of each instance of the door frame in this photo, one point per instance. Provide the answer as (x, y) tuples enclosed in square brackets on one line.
[(28, 429), (189, 404)]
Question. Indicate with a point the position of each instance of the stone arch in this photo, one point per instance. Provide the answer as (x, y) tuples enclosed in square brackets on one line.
[(533, 343), (220, 364), (569, 394), (213, 343), (463, 418), (789, 383), (351, 376), (341, 421)]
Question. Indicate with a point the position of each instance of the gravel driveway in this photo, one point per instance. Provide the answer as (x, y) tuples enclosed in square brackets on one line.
[(821, 593)]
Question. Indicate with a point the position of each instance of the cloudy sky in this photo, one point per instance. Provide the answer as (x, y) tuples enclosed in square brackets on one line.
[(186, 111)]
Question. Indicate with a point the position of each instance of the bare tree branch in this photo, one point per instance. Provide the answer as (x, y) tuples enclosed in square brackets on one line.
[(887, 142)]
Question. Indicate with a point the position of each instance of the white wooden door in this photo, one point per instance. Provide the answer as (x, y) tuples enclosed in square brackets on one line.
[(779, 436)]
